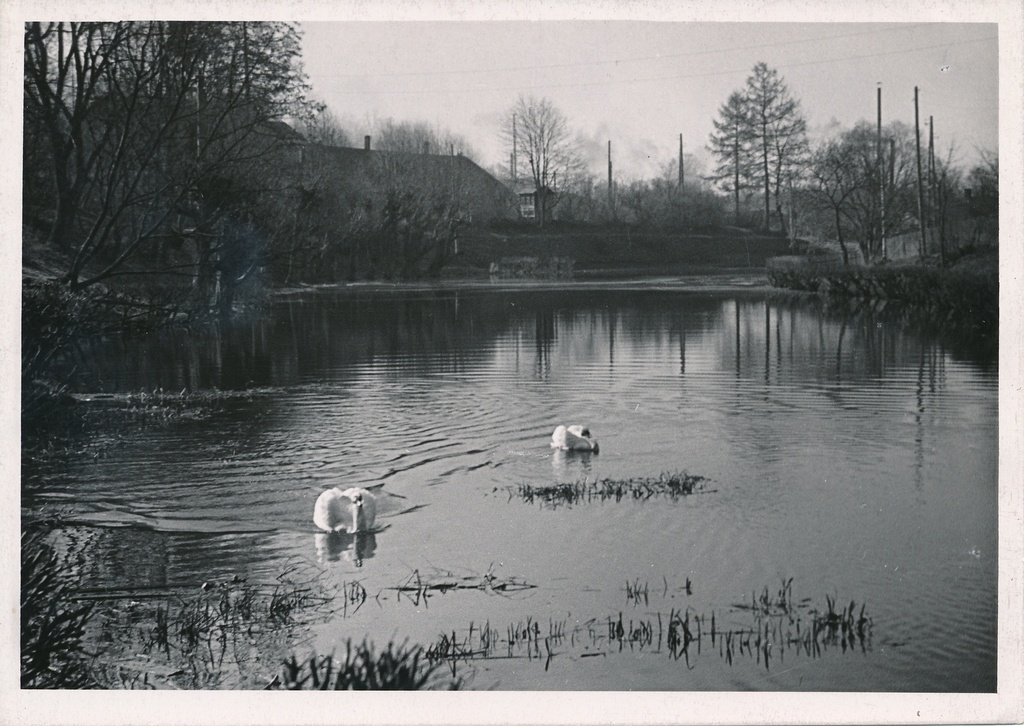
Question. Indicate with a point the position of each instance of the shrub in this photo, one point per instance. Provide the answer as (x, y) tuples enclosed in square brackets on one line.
[(797, 272), (957, 296), (51, 318)]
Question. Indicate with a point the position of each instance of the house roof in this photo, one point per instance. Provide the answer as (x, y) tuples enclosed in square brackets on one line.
[(358, 160), (527, 187), (282, 131)]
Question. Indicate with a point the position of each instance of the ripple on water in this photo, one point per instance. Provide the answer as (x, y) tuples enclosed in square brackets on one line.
[(831, 462)]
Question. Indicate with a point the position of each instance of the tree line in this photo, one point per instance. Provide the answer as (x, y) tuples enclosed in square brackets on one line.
[(155, 156), (148, 146), (160, 175), (854, 187)]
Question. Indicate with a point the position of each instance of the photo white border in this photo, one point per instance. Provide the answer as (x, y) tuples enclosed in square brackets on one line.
[(122, 707)]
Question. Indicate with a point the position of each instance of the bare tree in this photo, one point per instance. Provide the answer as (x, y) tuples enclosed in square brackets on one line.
[(401, 217), (844, 177), (546, 149), (946, 201), (836, 177), (150, 131), (418, 137), (984, 185), (325, 128)]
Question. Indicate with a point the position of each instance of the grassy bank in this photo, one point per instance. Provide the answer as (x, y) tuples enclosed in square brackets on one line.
[(613, 250), (956, 304), (229, 634), (966, 291)]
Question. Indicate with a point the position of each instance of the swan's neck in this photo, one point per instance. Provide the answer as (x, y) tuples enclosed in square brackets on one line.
[(358, 518)]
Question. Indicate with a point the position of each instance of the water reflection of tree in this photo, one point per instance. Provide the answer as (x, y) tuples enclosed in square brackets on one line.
[(137, 560), (418, 332), (415, 331), (544, 338), (821, 347), (841, 355)]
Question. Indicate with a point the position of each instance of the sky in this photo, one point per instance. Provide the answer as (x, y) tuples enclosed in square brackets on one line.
[(640, 83)]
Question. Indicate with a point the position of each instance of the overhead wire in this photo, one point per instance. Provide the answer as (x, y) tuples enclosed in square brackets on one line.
[(634, 59), (685, 76)]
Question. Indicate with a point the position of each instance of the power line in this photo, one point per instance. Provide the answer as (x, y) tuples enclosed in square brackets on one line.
[(702, 74), (616, 61), (963, 108)]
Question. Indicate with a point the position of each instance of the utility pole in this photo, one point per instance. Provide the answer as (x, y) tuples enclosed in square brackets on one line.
[(680, 162), (515, 164), (792, 229), (920, 187), (933, 193), (736, 159), (931, 173), (611, 194), (881, 179), (892, 162), (682, 178)]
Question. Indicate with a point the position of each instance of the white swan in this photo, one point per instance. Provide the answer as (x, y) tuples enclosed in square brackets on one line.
[(352, 510), (573, 438)]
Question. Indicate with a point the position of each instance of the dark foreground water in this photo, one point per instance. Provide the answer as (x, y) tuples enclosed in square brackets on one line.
[(845, 458)]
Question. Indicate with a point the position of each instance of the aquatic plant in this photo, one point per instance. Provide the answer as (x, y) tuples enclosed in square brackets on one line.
[(778, 625), (216, 636), (522, 639), (52, 623), (158, 406), (400, 667), (418, 587), (770, 604), (635, 592), (672, 485), (68, 429), (353, 595)]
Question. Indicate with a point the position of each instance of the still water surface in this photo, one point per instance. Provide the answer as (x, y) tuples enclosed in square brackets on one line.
[(851, 455)]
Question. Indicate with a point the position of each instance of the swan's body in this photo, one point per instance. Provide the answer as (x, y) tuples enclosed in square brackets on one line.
[(350, 510), (573, 438)]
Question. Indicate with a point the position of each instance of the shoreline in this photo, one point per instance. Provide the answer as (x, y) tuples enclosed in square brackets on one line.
[(741, 280)]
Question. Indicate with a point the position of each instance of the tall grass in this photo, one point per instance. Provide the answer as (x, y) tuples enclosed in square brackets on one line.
[(396, 668), (52, 623)]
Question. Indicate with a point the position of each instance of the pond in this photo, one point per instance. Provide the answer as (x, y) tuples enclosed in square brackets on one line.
[(833, 458)]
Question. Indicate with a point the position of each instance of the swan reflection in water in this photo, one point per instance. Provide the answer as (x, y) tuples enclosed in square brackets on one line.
[(333, 546), (571, 465)]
